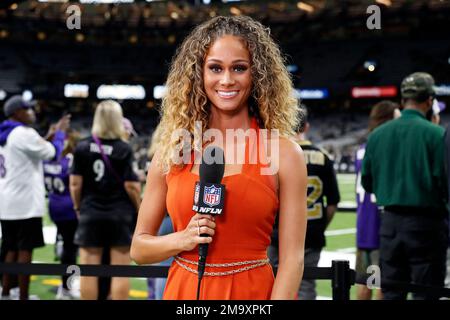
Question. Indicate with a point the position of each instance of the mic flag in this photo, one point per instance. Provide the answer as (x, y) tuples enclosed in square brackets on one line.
[(209, 198), (209, 192)]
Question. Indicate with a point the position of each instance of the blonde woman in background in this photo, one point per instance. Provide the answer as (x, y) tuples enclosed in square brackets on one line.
[(106, 195)]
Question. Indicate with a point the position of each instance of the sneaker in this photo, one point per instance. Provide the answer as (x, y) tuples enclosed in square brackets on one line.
[(65, 294)]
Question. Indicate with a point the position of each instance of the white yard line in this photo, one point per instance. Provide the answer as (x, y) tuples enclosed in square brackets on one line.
[(339, 232), (49, 234), (326, 258)]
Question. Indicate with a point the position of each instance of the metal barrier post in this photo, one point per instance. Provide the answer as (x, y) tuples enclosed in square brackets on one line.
[(342, 279)]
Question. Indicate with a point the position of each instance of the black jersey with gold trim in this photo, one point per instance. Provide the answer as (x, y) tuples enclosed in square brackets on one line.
[(322, 191)]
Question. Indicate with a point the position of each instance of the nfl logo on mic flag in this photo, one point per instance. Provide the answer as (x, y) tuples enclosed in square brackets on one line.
[(209, 198)]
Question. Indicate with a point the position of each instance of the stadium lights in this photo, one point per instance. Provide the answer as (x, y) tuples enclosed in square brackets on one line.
[(105, 1), (27, 95), (159, 92), (79, 37), (370, 65), (74, 90), (4, 34), (305, 7), (41, 36), (292, 68), (121, 92), (387, 3), (54, 1), (235, 11), (133, 39)]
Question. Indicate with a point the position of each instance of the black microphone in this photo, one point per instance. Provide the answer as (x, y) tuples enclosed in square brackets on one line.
[(209, 195)]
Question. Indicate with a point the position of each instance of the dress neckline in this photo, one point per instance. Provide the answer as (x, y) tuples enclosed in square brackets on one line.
[(245, 165)]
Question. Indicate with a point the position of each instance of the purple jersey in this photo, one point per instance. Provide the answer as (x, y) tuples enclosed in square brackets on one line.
[(367, 212), (57, 185)]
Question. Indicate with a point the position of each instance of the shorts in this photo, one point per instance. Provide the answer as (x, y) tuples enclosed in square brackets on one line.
[(23, 234), (104, 232), (365, 258)]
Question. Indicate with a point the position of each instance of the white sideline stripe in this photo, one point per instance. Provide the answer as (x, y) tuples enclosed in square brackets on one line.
[(327, 256), (347, 250), (339, 232), (347, 204), (49, 234)]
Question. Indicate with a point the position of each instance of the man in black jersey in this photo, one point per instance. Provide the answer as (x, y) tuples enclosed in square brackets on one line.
[(322, 185)]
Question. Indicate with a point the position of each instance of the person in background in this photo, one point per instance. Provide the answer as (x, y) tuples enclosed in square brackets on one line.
[(404, 167), (56, 177), (106, 195), (367, 211), (104, 283), (22, 196), (323, 198)]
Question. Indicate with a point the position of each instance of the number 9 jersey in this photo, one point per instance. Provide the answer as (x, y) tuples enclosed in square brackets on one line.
[(103, 192)]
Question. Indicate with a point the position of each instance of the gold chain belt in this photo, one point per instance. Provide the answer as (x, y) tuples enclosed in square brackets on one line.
[(250, 264)]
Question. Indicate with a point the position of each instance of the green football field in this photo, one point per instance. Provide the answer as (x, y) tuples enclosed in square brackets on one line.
[(342, 241)]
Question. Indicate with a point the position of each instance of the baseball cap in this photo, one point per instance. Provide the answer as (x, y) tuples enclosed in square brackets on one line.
[(129, 127), (15, 103), (418, 85)]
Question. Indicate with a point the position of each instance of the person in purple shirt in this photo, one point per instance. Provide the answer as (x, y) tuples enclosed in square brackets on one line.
[(367, 212), (56, 175)]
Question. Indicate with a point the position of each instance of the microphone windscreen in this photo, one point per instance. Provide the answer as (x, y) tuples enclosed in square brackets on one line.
[(212, 167)]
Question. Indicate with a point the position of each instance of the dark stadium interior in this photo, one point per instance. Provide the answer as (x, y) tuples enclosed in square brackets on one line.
[(132, 43)]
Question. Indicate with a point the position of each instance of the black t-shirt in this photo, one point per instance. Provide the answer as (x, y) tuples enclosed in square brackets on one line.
[(322, 184), (103, 191)]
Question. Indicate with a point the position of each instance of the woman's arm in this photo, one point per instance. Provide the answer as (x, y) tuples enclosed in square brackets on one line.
[(293, 180), (75, 186), (147, 247)]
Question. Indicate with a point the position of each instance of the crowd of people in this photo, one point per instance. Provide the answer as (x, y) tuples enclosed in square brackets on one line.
[(220, 78)]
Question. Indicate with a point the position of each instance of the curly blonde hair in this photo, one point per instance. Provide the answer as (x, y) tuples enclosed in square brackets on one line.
[(271, 101)]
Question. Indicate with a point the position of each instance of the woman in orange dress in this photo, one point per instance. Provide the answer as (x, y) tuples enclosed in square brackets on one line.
[(229, 76)]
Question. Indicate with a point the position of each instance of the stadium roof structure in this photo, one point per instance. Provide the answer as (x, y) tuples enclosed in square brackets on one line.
[(132, 43), (323, 19)]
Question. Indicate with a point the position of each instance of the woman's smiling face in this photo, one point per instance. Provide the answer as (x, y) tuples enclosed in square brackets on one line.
[(227, 75)]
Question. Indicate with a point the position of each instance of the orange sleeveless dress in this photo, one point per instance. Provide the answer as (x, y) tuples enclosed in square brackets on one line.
[(242, 233)]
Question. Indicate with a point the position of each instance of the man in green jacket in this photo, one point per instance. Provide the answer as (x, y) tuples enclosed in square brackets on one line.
[(404, 167)]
